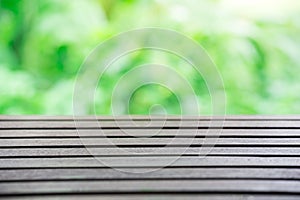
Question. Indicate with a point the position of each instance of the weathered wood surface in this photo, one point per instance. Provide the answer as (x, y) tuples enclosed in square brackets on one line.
[(243, 157), (122, 124)]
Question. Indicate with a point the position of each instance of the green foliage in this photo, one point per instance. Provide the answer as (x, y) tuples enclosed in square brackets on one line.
[(255, 45)]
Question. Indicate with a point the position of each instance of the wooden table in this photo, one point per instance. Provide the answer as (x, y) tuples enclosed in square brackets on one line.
[(243, 157)]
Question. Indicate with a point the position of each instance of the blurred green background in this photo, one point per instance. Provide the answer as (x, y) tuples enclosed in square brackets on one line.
[(254, 43)]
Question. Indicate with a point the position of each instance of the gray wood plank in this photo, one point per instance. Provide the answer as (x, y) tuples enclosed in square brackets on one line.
[(147, 117), (165, 173), (161, 197), (225, 151), (148, 141), (149, 162), (151, 132), (146, 124), (152, 186)]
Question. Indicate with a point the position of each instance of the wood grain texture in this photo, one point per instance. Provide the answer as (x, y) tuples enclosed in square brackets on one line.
[(150, 151), (151, 196), (188, 161), (183, 142), (135, 157), (155, 186), (166, 173), (46, 133), (146, 124)]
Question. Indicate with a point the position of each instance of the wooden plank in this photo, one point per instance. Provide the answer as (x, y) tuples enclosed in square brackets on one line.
[(149, 141), (145, 124), (19, 133), (147, 117), (167, 174), (225, 151), (151, 196), (186, 161), (144, 186), (165, 196)]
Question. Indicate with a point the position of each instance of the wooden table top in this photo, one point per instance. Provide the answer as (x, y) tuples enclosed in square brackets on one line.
[(136, 157)]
